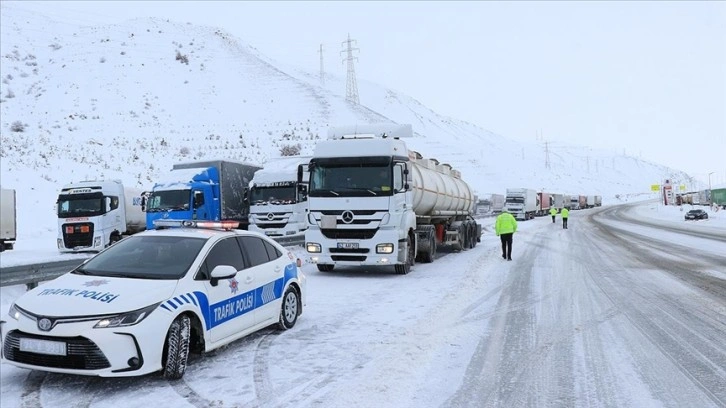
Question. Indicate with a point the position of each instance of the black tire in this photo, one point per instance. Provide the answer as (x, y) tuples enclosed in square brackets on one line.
[(405, 268), (176, 350), (325, 267), (114, 238), (290, 309), (428, 257)]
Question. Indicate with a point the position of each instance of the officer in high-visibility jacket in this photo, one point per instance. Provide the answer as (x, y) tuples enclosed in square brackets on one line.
[(553, 213), (565, 215), (505, 227)]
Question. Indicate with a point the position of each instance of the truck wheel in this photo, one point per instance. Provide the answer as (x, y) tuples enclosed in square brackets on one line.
[(405, 268), (428, 256), (176, 351), (290, 309), (325, 267)]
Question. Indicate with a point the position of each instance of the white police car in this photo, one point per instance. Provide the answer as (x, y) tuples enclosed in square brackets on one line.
[(144, 303)]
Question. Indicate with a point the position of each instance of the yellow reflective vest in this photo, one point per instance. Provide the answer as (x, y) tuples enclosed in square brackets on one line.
[(505, 224), (553, 211), (565, 213)]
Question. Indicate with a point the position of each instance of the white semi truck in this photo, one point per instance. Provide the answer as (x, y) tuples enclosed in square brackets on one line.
[(373, 202), (521, 203), (278, 198), (94, 214), (8, 225)]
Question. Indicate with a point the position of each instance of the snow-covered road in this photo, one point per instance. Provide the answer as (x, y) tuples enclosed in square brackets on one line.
[(606, 313)]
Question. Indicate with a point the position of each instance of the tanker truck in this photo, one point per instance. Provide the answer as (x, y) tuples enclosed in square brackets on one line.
[(372, 202), (94, 214)]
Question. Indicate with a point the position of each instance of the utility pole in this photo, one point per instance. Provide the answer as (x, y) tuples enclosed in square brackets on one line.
[(322, 69), (351, 85)]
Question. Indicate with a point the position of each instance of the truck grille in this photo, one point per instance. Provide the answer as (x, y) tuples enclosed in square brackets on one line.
[(78, 235), (349, 233), (352, 258), (265, 225), (82, 353), (355, 212)]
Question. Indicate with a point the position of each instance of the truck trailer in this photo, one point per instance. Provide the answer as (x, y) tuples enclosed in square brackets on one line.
[(94, 214), (213, 190), (545, 201), (372, 202), (279, 199), (521, 203), (8, 219)]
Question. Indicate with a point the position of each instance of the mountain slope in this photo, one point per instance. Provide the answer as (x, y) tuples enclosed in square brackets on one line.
[(127, 101)]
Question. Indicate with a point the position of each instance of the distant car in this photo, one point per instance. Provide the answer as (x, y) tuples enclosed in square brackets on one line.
[(143, 304), (696, 215)]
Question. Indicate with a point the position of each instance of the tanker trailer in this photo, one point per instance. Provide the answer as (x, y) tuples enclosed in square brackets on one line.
[(372, 202)]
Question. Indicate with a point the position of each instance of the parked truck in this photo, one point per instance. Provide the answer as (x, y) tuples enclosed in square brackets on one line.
[(373, 202), (213, 190), (521, 203), (8, 219), (544, 203), (590, 201), (279, 199), (575, 202), (94, 214), (718, 196), (598, 201), (559, 201), (490, 204)]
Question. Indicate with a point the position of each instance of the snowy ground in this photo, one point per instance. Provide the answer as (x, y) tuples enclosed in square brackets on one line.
[(577, 319)]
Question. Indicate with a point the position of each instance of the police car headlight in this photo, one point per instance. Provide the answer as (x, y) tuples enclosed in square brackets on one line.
[(384, 248), (312, 247), (13, 312), (126, 319)]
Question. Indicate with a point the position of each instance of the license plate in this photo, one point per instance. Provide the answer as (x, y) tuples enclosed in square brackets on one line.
[(56, 348), (348, 245)]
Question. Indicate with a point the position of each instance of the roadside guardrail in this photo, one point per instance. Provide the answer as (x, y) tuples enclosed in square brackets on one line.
[(31, 274)]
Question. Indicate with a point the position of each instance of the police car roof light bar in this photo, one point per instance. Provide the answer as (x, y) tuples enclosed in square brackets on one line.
[(168, 223)]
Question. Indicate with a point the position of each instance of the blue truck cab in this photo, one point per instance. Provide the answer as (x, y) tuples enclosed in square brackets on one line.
[(212, 190)]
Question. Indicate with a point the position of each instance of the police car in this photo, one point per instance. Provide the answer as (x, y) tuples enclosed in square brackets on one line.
[(143, 304)]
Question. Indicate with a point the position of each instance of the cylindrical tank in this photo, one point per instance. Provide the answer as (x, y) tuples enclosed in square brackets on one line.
[(438, 190)]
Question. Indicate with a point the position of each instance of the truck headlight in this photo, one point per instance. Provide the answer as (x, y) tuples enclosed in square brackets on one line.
[(60, 243), (97, 242), (13, 312), (384, 248), (126, 319), (312, 247)]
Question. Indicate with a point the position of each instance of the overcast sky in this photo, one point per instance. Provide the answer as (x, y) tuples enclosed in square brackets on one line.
[(644, 78)]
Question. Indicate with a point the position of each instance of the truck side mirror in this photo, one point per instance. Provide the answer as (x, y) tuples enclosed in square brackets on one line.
[(107, 202)]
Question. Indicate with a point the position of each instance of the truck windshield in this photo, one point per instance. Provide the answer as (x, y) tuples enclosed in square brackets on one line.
[(168, 200), (276, 195), (359, 180), (517, 200), (80, 205)]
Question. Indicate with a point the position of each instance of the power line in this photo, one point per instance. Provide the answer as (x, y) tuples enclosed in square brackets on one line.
[(351, 85)]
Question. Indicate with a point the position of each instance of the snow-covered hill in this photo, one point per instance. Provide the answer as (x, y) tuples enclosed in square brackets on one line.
[(127, 101)]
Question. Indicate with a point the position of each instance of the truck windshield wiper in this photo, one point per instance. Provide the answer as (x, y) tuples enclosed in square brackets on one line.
[(362, 189), (326, 191)]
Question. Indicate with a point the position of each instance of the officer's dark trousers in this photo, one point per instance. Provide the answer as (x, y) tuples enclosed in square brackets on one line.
[(564, 223), (506, 245)]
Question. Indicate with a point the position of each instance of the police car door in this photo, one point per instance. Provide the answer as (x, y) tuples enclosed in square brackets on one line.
[(231, 301), (267, 271)]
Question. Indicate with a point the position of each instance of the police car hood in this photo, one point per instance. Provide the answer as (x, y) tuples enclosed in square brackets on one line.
[(81, 295)]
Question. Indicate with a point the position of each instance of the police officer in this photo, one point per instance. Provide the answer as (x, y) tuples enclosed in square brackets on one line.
[(553, 213), (565, 214), (505, 227)]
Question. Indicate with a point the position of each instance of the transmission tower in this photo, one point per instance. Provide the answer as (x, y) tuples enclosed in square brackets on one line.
[(547, 155), (322, 69), (351, 85)]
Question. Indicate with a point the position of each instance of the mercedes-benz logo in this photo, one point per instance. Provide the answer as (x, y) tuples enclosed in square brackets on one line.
[(44, 324), (347, 217), (270, 216)]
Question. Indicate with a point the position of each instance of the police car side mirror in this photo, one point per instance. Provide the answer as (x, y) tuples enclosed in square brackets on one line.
[(222, 272)]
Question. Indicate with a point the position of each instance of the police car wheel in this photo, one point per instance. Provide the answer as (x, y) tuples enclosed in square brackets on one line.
[(290, 309), (176, 350)]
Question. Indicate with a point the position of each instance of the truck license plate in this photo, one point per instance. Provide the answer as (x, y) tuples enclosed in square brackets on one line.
[(56, 348), (348, 245)]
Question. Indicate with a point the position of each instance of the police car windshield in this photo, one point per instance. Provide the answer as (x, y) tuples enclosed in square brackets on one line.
[(145, 257)]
